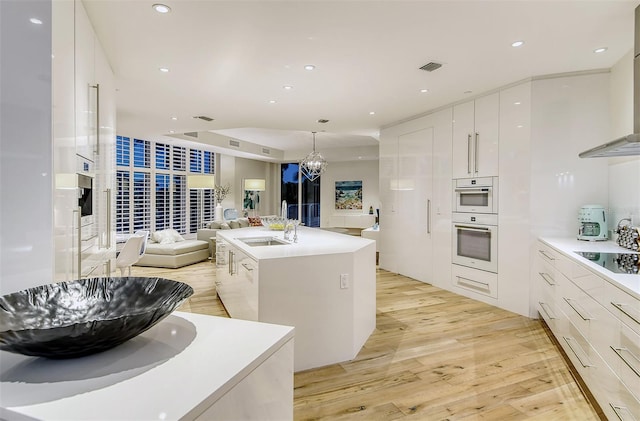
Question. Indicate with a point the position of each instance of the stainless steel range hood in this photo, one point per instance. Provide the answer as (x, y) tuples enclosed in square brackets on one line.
[(630, 144)]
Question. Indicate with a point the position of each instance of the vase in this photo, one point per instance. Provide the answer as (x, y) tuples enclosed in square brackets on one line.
[(217, 216)]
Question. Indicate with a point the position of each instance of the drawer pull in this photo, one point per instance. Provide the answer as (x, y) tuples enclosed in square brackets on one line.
[(575, 308), (545, 254), (547, 310), (247, 267), (569, 342), (620, 307), (621, 410), (547, 278), (634, 368)]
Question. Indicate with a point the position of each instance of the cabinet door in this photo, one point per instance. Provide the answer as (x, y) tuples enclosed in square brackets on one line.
[(415, 204), (485, 136), (463, 138), (85, 94)]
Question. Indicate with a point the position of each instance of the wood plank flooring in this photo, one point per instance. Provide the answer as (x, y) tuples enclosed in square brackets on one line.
[(434, 355)]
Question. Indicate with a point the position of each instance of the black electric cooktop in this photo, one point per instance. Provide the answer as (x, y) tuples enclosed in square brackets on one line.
[(628, 263)]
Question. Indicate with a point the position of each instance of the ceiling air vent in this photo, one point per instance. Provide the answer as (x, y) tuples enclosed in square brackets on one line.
[(203, 117), (322, 120), (192, 134), (431, 66), (234, 143), (266, 151)]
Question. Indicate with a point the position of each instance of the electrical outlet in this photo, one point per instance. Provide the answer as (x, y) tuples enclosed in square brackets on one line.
[(344, 280)]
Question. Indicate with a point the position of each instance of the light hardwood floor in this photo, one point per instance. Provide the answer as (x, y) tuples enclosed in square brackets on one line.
[(434, 355)]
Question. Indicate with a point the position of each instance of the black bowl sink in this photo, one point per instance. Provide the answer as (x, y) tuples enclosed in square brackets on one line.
[(86, 316)]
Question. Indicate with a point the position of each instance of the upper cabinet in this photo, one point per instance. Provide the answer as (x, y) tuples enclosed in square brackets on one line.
[(475, 137)]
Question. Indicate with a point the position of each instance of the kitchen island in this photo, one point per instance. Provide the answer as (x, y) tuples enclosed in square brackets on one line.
[(187, 367), (324, 285)]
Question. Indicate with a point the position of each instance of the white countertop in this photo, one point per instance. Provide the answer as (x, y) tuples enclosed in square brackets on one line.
[(174, 370), (568, 246), (311, 242)]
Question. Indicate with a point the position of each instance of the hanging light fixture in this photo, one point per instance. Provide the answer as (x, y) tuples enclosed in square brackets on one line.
[(314, 164)]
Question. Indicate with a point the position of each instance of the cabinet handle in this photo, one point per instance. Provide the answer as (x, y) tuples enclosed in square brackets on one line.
[(575, 308), (618, 409), (78, 218), (470, 228), (108, 203), (620, 306), (469, 153), (569, 340), (547, 278), (619, 352), (545, 254), (475, 153), (230, 262), (546, 309), (428, 216), (247, 267), (97, 88), (477, 285)]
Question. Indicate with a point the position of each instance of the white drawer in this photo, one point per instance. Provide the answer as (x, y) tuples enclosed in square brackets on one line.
[(584, 358), (474, 280), (623, 306), (575, 304), (615, 399), (589, 282), (624, 358), (547, 254)]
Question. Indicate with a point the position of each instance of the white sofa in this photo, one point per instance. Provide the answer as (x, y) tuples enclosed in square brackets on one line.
[(206, 234), (164, 253)]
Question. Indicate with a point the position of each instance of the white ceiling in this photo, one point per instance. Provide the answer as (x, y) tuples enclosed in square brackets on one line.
[(228, 59)]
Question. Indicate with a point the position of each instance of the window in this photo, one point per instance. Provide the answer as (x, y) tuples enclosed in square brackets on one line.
[(152, 192), (310, 200)]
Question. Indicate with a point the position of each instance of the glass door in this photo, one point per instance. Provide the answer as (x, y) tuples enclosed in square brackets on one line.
[(303, 200)]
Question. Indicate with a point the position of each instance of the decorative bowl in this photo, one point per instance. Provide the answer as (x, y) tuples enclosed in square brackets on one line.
[(274, 223), (86, 316)]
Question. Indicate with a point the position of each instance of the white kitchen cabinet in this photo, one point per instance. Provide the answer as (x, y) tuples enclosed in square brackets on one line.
[(84, 136), (413, 202), (602, 347), (475, 137), (237, 283)]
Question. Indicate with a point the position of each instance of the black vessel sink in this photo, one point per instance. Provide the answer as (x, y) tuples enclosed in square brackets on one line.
[(86, 316)]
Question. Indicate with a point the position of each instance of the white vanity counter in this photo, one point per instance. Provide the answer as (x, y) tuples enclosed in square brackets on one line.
[(187, 367), (568, 246), (324, 285)]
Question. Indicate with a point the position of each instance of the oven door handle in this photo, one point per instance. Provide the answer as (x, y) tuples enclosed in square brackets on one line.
[(473, 189), (470, 228)]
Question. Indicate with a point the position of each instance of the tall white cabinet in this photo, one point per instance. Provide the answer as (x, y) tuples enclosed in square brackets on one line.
[(475, 137), (84, 135), (411, 194)]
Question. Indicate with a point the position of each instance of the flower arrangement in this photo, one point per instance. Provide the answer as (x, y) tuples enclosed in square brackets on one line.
[(220, 192)]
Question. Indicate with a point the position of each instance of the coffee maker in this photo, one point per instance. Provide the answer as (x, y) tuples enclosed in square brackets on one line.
[(593, 223)]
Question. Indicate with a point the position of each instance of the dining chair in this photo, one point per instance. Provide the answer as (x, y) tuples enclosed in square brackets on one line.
[(130, 253)]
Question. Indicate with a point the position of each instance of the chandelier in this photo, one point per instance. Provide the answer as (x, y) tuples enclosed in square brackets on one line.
[(314, 164)]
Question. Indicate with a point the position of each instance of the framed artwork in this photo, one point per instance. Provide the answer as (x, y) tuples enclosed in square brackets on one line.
[(251, 194), (349, 195)]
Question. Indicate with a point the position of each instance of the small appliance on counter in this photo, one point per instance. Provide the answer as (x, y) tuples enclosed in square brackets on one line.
[(593, 223)]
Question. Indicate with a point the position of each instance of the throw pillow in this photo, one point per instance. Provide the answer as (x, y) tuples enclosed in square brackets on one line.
[(225, 226), (175, 235), (215, 225), (255, 221), (244, 222), (168, 236), (234, 224)]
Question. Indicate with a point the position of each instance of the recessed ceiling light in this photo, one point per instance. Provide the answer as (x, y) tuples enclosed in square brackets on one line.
[(164, 70), (287, 87), (517, 44), (424, 91), (516, 103), (174, 118), (372, 112), (600, 50), (273, 101), (519, 126), (36, 21), (172, 131), (161, 8), (309, 67)]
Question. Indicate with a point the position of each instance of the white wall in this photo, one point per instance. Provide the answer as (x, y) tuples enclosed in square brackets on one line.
[(624, 173), (26, 153), (367, 171)]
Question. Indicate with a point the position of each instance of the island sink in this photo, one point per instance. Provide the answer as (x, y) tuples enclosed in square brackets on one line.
[(263, 241)]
